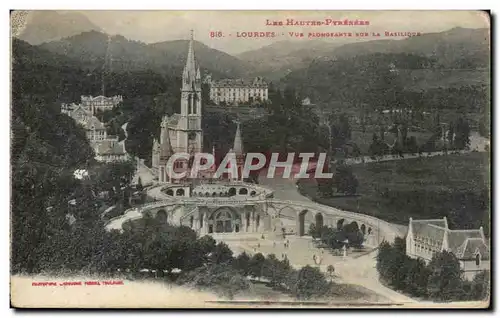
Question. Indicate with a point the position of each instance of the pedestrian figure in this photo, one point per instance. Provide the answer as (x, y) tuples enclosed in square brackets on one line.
[(258, 245)]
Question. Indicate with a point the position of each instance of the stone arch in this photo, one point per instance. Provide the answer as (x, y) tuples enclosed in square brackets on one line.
[(287, 211), (232, 191), (162, 216), (225, 220), (207, 194), (319, 220), (243, 191), (221, 194), (253, 193), (354, 226), (180, 192), (301, 220), (170, 192), (214, 194)]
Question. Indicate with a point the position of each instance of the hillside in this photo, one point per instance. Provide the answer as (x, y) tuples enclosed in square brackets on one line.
[(45, 26), (90, 48), (455, 48), (280, 58), (385, 80), (218, 62), (442, 70)]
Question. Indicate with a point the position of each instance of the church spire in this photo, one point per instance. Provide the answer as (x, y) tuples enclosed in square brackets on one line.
[(189, 74), (238, 145)]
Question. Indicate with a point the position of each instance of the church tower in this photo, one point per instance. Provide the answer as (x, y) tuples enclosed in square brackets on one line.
[(190, 136), (181, 133)]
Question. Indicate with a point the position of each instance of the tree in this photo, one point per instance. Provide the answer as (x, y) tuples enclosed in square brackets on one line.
[(340, 224), (325, 187), (417, 277), (481, 286), (242, 264), (331, 272), (257, 265), (206, 245), (340, 131), (222, 254), (344, 180), (310, 282), (139, 184), (391, 264), (275, 270), (445, 277), (462, 134), (313, 231), (352, 233)]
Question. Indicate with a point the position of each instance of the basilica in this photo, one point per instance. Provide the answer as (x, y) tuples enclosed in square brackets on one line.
[(182, 133)]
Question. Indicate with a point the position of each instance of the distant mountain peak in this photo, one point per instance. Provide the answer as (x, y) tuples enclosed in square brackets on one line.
[(48, 25)]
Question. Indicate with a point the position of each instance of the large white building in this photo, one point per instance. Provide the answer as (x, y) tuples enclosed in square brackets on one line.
[(426, 237), (101, 103), (237, 91)]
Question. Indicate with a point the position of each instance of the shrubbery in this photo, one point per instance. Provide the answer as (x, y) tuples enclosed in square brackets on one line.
[(335, 237)]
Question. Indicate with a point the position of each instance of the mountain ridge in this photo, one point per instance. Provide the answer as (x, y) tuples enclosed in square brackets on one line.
[(163, 57)]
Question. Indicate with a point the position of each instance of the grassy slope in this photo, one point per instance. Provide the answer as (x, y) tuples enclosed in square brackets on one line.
[(420, 188), (422, 79)]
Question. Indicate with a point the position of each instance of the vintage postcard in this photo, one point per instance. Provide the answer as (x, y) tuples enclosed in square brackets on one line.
[(249, 159)]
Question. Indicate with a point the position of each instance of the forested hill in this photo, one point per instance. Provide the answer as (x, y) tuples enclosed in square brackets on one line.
[(392, 80), (91, 48), (46, 148), (455, 48), (57, 78)]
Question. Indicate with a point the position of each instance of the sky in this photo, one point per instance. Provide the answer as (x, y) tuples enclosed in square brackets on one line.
[(155, 26)]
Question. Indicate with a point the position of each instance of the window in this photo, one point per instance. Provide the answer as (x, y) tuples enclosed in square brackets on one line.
[(478, 259)]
